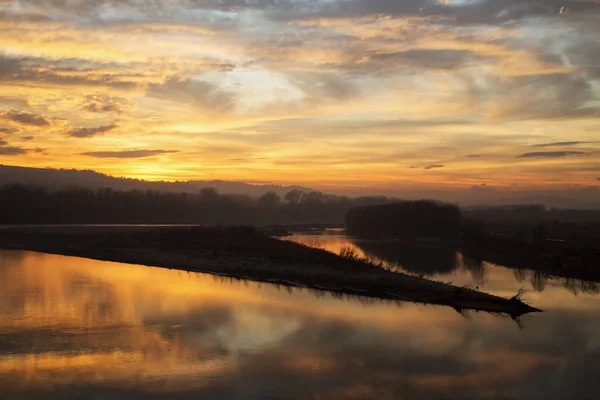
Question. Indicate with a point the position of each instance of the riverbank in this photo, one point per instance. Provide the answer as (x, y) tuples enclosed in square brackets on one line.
[(245, 253)]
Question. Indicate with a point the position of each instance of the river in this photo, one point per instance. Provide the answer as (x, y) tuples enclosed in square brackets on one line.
[(80, 328)]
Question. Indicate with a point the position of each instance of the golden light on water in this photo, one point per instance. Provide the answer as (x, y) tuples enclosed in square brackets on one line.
[(112, 327)]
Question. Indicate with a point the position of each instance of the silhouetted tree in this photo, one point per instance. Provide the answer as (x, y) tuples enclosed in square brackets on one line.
[(412, 219), (269, 199), (314, 197), (209, 194), (294, 196), (21, 204)]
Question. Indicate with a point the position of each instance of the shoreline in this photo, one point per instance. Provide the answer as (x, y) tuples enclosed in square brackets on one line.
[(242, 253)]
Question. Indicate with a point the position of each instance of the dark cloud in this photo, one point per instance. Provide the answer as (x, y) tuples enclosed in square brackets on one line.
[(244, 159), (91, 132), (551, 96), (551, 154), (9, 67), (559, 144), (490, 12), (336, 88), (8, 130), (198, 93), (12, 151), (430, 59), (434, 166), (100, 108), (482, 12), (39, 150), (45, 71), (473, 155), (101, 103), (27, 138), (482, 188), (25, 118), (3, 142), (127, 153), (495, 12)]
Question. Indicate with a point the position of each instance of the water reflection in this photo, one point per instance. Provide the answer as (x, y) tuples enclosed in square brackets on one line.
[(447, 265), (76, 327)]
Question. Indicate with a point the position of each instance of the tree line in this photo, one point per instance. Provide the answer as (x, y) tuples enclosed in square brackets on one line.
[(408, 220), (24, 204)]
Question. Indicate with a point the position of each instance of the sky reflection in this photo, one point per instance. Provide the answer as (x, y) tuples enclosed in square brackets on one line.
[(85, 326)]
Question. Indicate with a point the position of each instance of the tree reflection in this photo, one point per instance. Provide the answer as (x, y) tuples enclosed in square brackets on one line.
[(576, 286), (520, 274), (421, 260), (538, 281), (475, 267)]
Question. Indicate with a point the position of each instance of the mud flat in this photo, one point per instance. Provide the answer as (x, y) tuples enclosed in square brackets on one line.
[(245, 253)]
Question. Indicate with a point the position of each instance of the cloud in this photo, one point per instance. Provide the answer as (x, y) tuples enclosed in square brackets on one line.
[(335, 87), (91, 132), (482, 188), (127, 153), (495, 12), (26, 118), (551, 154), (101, 108), (452, 13), (198, 93), (425, 58), (8, 130), (3, 142), (75, 73), (434, 166), (558, 144), (102, 103), (9, 67), (27, 138), (550, 96), (473, 155), (12, 151)]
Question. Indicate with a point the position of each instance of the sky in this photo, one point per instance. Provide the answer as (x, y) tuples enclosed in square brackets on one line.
[(333, 94)]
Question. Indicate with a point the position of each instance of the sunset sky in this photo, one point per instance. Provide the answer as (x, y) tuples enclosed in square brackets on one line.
[(331, 93)]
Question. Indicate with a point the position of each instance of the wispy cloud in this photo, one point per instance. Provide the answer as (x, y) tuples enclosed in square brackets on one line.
[(91, 132), (425, 58), (8, 130), (434, 166), (25, 118), (194, 92), (12, 151), (551, 154), (127, 153), (343, 91), (561, 144), (482, 188), (102, 103)]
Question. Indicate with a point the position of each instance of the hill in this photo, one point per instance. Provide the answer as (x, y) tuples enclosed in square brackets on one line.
[(61, 178)]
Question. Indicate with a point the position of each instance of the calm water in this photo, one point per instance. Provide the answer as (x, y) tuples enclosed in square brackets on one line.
[(77, 328), (449, 266)]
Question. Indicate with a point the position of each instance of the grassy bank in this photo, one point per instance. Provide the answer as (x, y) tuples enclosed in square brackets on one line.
[(245, 253)]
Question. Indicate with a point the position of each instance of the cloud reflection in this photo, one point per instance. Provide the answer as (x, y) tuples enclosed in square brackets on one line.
[(72, 325)]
